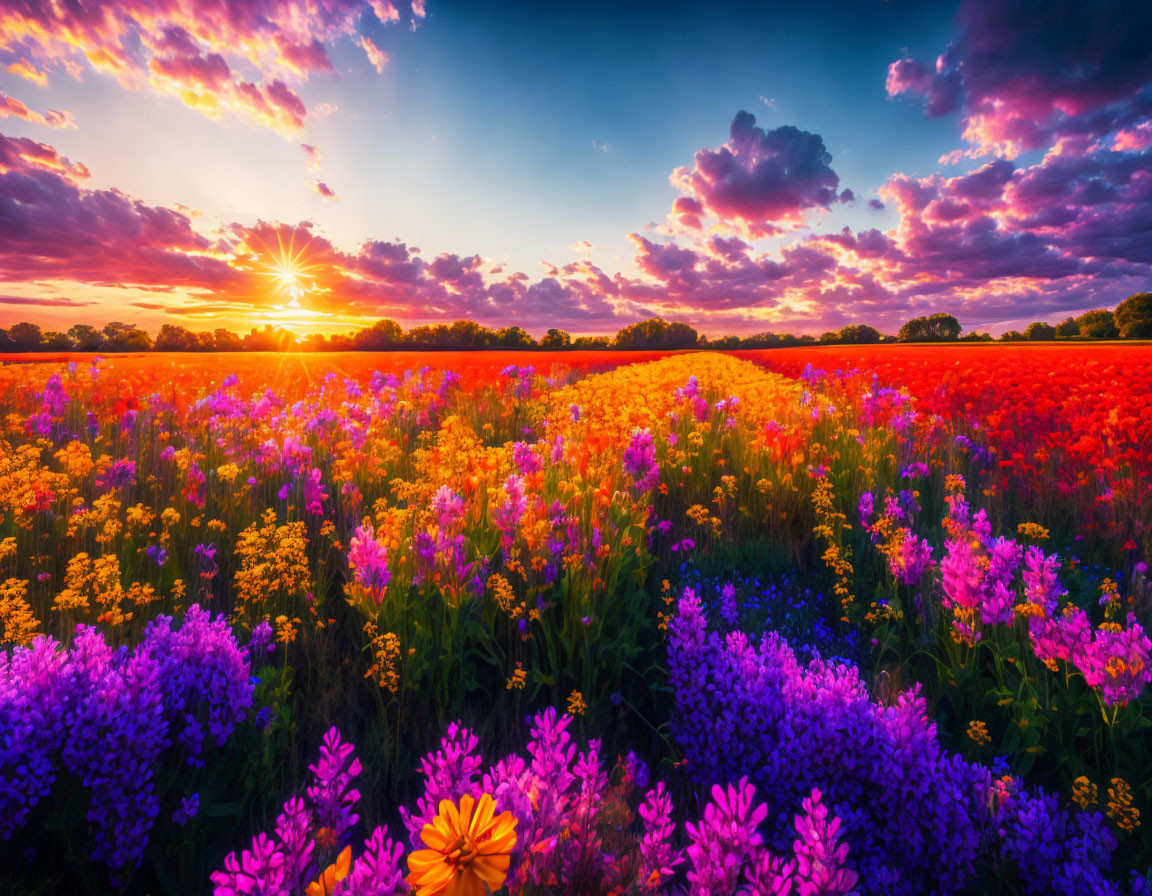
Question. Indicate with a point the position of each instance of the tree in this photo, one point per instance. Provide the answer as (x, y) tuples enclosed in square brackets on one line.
[(1134, 316), (384, 335), (85, 338), (174, 338), (53, 341), (976, 337), (1099, 323), (593, 343), (829, 337), (226, 341), (1013, 336), (1040, 332), (656, 333), (938, 327), (556, 339), (469, 334), (119, 337), (25, 337), (1067, 329), (859, 334), (514, 337)]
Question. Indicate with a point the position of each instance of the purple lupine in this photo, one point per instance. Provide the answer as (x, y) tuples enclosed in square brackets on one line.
[(369, 560), (377, 870), (640, 461), (294, 830), (449, 773), (658, 859), (331, 793), (526, 459), (820, 856), (725, 840), (258, 871), (314, 494), (1041, 584), (912, 560), (510, 511)]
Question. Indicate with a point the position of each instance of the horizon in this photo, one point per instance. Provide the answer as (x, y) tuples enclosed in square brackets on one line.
[(321, 165)]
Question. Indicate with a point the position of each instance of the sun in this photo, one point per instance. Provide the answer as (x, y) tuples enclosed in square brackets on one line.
[(291, 275)]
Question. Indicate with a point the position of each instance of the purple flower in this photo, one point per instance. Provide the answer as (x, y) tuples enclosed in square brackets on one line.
[(332, 793)]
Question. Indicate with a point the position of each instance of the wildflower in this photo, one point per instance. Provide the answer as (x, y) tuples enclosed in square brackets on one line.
[(978, 733), (517, 680), (1084, 792), (325, 885), (368, 558), (467, 849), (640, 461), (576, 704), (1120, 808)]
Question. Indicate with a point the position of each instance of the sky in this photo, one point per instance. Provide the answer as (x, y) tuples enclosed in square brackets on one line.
[(320, 164)]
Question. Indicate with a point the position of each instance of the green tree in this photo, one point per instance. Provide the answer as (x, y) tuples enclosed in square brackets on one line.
[(54, 341), (592, 343), (85, 338), (656, 333), (556, 339), (1067, 329), (514, 337), (1040, 332), (1134, 316), (1013, 336), (226, 341), (120, 337), (1099, 323), (937, 327), (382, 336), (174, 338), (859, 334), (25, 337)]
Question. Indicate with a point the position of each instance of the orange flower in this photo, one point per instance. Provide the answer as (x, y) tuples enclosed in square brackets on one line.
[(325, 885), (468, 851)]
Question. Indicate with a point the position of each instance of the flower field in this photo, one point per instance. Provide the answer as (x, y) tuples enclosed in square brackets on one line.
[(812, 621)]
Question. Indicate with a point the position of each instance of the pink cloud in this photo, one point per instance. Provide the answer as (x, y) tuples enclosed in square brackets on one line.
[(311, 156), (322, 189), (192, 49), (10, 107), (1027, 74), (376, 56), (759, 179)]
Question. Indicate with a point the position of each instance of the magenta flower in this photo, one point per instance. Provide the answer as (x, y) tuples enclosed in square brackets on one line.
[(369, 560), (820, 856), (640, 461)]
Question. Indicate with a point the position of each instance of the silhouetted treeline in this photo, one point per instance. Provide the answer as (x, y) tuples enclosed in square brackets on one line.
[(1132, 319)]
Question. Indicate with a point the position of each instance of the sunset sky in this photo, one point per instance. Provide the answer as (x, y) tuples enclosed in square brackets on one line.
[(797, 167)]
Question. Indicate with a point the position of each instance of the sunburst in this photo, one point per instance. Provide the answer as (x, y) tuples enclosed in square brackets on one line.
[(288, 269)]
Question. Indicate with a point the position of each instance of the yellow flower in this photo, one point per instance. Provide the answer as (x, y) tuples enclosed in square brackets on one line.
[(1120, 808), (1083, 792), (467, 851), (576, 704), (325, 885), (978, 732)]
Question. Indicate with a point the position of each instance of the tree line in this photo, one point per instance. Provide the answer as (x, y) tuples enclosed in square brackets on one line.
[(1132, 319)]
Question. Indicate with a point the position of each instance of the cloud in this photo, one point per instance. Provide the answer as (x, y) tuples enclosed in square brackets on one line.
[(322, 189), (194, 50), (42, 302), (311, 156), (52, 227), (10, 107), (759, 179), (1027, 74), (376, 56)]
